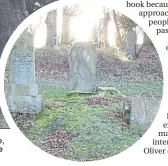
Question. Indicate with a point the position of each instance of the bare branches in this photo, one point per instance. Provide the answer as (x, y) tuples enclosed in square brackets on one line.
[(107, 11), (119, 39), (72, 10)]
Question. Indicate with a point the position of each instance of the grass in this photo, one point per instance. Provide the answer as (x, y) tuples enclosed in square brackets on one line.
[(95, 134), (55, 92), (98, 135), (156, 88)]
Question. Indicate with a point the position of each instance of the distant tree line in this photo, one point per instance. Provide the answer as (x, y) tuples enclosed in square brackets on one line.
[(13, 12)]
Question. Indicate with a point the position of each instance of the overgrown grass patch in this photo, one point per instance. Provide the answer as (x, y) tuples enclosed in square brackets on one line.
[(134, 89), (53, 92), (95, 134)]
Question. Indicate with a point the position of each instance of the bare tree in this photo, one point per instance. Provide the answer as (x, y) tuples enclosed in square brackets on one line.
[(68, 12), (106, 19), (119, 39), (125, 24)]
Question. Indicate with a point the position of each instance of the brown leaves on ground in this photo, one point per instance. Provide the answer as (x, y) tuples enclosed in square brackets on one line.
[(105, 101), (55, 67), (24, 120), (146, 67), (57, 142), (119, 115)]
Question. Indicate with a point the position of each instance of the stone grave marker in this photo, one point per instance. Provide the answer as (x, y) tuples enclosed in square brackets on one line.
[(3, 124), (131, 43), (143, 111), (22, 91), (132, 47), (82, 68)]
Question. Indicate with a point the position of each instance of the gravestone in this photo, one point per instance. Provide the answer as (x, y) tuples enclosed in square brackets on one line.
[(134, 42), (3, 124), (82, 68), (22, 91), (131, 40), (143, 111)]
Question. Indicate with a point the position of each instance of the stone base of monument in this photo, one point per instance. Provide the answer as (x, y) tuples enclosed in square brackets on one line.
[(24, 98), (25, 104)]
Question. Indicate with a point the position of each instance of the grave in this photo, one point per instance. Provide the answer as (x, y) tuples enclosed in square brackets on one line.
[(82, 68), (143, 111), (3, 124), (134, 42), (22, 91)]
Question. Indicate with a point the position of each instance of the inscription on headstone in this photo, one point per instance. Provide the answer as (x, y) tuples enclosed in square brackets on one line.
[(143, 111), (22, 91), (82, 64), (21, 67)]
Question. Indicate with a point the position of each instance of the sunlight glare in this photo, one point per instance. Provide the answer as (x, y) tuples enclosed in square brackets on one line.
[(112, 33), (140, 35), (81, 25), (40, 36)]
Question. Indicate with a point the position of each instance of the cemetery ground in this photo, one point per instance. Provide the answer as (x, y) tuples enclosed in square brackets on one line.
[(86, 127)]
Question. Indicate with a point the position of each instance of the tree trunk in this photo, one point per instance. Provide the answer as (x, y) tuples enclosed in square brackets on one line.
[(119, 39), (51, 17), (105, 24), (65, 29)]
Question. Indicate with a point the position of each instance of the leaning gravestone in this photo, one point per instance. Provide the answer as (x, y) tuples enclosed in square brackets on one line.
[(143, 111), (82, 68), (22, 91), (132, 47)]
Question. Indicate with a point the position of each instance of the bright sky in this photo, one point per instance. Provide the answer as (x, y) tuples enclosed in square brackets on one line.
[(40, 32), (80, 26)]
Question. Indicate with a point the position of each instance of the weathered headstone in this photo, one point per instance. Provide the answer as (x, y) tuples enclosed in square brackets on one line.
[(82, 68), (143, 111), (131, 40), (22, 91), (134, 42), (3, 124)]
